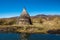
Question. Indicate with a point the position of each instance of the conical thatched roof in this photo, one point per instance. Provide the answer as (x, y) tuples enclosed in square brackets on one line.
[(24, 18), (24, 14)]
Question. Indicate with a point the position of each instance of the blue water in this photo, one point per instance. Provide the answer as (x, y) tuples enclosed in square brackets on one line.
[(44, 37), (9, 36), (15, 36)]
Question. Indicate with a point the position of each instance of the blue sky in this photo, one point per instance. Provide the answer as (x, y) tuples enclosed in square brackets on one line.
[(12, 8)]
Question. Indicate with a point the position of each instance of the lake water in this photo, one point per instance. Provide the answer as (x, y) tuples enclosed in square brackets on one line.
[(16, 36)]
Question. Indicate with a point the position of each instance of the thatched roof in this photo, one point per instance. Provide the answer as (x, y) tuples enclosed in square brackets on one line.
[(24, 18), (24, 14)]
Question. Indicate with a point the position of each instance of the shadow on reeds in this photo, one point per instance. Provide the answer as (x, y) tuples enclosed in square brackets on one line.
[(57, 31)]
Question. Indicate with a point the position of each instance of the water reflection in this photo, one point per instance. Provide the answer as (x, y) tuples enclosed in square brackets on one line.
[(24, 36)]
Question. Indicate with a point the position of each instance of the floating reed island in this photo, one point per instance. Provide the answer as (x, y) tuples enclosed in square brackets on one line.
[(30, 24)]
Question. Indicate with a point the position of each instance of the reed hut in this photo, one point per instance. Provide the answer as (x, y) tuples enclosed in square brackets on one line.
[(24, 18)]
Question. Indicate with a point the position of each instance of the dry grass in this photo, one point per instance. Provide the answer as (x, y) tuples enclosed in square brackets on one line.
[(39, 25)]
